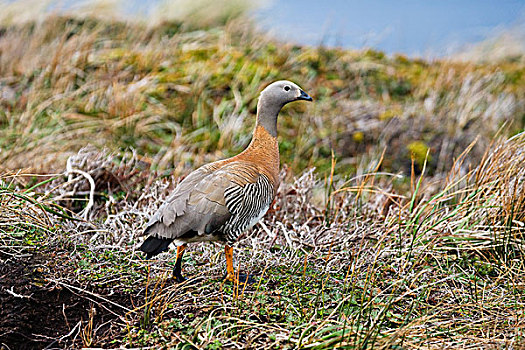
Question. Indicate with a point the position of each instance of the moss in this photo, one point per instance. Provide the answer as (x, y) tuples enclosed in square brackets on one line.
[(418, 151), (358, 136), (374, 54), (390, 113)]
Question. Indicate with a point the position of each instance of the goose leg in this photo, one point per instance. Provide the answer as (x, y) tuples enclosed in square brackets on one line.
[(230, 272), (177, 271)]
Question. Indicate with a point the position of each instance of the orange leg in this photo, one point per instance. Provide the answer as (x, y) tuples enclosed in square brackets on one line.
[(177, 271), (230, 274)]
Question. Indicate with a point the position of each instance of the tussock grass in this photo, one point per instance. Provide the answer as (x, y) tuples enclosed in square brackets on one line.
[(180, 96), (398, 223)]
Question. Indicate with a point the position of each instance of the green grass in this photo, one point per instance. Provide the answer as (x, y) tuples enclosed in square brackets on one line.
[(407, 233)]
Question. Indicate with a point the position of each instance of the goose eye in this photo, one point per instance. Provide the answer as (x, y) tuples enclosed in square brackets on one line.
[(286, 88)]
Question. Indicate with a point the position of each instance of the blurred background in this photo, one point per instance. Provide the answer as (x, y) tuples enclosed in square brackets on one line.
[(415, 28), (177, 81)]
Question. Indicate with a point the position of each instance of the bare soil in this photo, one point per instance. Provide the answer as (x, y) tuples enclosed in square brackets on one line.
[(39, 314)]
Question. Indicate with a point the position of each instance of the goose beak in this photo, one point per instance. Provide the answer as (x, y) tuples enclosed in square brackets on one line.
[(304, 96)]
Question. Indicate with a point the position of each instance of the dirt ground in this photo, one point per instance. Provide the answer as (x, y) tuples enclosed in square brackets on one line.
[(38, 314)]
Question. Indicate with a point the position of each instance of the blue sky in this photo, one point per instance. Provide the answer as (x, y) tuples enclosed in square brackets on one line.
[(422, 28)]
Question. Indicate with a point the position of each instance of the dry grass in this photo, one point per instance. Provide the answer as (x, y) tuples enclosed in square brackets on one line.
[(408, 234), (371, 268)]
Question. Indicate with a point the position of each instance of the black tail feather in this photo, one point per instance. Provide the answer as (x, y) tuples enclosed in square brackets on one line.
[(153, 246)]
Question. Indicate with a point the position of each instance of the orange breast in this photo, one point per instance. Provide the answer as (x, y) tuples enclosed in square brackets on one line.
[(263, 151)]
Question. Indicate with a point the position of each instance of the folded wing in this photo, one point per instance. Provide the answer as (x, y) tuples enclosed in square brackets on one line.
[(199, 204)]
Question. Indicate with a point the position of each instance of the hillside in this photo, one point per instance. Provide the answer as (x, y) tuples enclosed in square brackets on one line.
[(399, 221)]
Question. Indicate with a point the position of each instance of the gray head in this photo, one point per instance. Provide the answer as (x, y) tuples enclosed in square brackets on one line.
[(273, 98)]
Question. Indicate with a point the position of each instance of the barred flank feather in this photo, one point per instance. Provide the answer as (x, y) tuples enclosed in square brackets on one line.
[(247, 205)]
